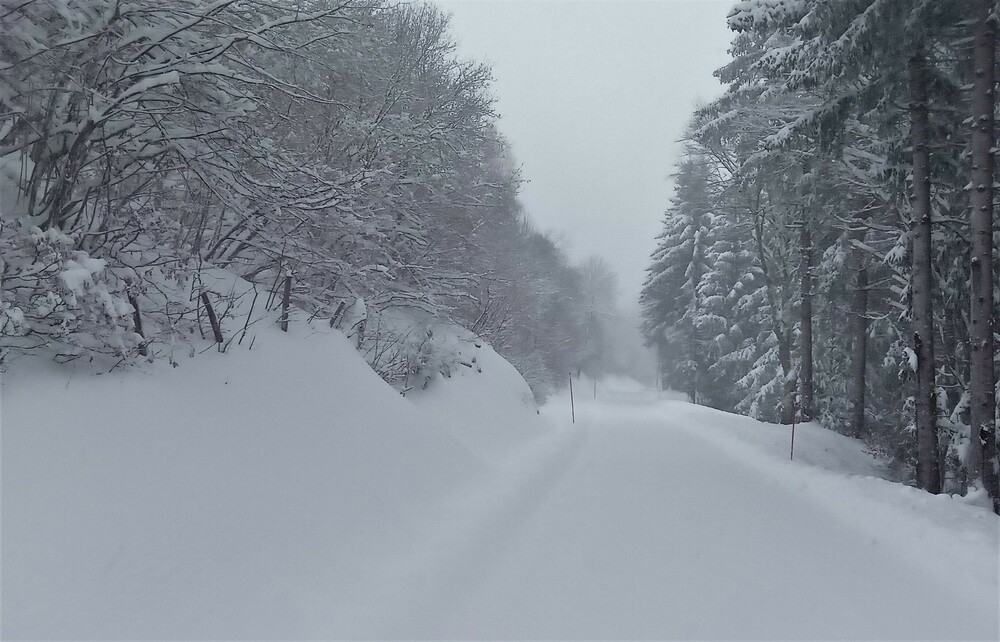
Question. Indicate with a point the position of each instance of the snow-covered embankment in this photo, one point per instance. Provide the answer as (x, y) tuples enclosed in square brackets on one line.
[(260, 493)]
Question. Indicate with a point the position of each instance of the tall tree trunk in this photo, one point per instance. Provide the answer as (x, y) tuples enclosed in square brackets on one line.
[(659, 366), (694, 275), (778, 325), (693, 384), (805, 326), (922, 307), (859, 349), (982, 462), (788, 383)]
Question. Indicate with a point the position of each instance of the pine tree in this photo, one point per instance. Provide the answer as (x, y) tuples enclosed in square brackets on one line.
[(671, 300), (983, 461)]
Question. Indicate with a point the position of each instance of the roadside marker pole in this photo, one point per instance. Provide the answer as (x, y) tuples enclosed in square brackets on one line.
[(595, 388), (572, 406), (791, 454)]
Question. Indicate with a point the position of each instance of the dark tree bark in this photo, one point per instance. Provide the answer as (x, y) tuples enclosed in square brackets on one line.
[(212, 318), (137, 322), (805, 327), (286, 297), (982, 377), (857, 386), (922, 307), (335, 319)]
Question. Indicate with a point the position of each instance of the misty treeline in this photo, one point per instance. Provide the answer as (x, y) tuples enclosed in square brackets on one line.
[(146, 143), (828, 253)]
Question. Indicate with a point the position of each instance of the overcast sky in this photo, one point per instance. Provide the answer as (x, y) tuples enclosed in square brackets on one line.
[(593, 97)]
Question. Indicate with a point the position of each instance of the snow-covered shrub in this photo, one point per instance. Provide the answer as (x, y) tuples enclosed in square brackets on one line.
[(58, 297)]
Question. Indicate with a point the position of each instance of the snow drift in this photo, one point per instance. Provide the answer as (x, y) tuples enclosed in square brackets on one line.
[(246, 495)]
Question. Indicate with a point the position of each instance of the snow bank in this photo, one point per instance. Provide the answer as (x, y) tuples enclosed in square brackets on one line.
[(944, 535), (486, 405), (257, 494), (799, 542)]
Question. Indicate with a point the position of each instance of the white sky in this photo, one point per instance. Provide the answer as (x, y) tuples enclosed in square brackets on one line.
[(593, 97)]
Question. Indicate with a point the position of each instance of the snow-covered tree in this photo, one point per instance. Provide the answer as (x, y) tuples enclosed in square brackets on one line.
[(842, 136), (345, 145)]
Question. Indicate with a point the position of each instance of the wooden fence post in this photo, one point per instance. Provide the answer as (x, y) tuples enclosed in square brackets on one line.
[(285, 298), (791, 454), (212, 319), (137, 322)]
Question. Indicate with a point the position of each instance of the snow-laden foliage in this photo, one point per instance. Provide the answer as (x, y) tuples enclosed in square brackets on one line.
[(814, 201), (342, 145)]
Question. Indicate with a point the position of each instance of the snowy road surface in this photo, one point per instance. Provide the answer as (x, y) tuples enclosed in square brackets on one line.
[(634, 524), (316, 503)]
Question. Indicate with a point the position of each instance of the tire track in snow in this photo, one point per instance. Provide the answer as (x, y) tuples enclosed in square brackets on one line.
[(465, 539), (652, 535)]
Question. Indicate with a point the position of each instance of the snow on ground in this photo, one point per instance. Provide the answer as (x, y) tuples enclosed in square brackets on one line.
[(245, 495), (285, 492)]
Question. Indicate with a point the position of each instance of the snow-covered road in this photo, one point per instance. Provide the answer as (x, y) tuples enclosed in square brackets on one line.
[(633, 523), (316, 503)]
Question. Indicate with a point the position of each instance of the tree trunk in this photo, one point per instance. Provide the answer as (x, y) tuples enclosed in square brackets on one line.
[(778, 325), (659, 366), (859, 349), (137, 323), (212, 318), (788, 383), (805, 327), (983, 396), (922, 309), (286, 297)]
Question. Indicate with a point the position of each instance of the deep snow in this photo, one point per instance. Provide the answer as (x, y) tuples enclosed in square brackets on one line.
[(287, 493)]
